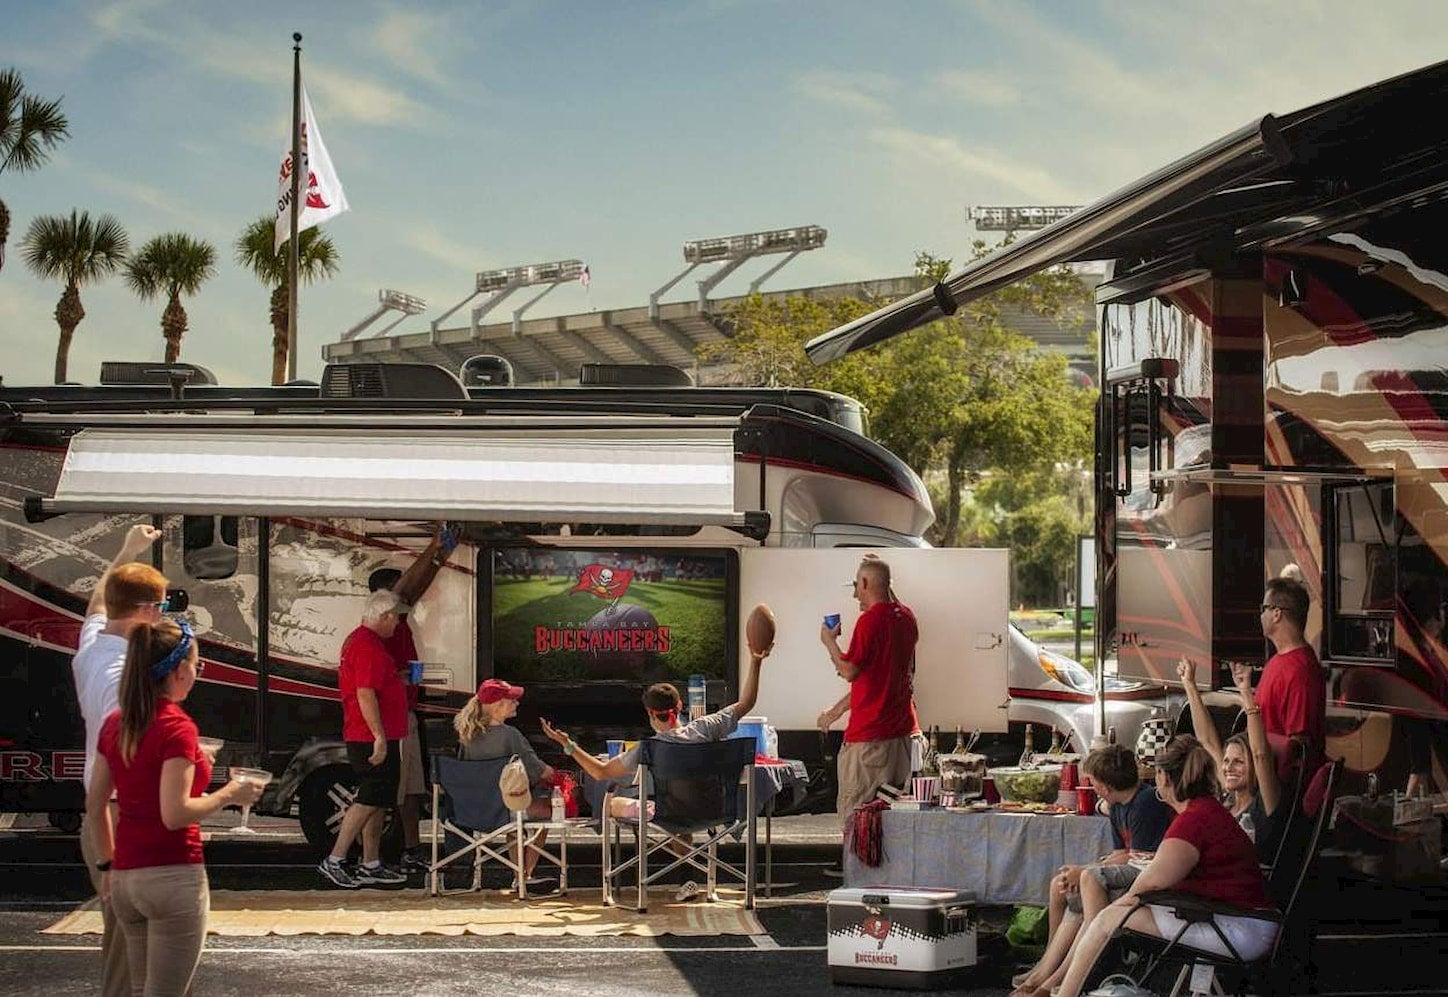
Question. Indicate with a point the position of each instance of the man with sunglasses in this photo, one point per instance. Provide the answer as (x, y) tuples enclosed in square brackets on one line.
[(127, 595), (1292, 693)]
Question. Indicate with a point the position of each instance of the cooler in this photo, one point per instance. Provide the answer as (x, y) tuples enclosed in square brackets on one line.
[(901, 937)]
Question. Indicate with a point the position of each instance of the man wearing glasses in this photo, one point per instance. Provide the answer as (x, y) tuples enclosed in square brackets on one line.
[(1292, 693), (878, 665), (127, 595)]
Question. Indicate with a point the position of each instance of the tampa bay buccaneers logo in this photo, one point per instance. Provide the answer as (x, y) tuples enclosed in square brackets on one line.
[(603, 581), (877, 926)]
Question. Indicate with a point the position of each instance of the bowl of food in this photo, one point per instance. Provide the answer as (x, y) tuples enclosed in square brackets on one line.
[(1037, 785)]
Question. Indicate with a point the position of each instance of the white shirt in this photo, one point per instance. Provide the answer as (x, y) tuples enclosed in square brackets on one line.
[(97, 667)]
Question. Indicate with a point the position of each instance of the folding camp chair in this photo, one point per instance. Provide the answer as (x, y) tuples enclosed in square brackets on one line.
[(468, 805), (1287, 959), (706, 788)]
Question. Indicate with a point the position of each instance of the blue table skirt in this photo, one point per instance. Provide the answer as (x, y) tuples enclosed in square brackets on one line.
[(776, 787), (1003, 858)]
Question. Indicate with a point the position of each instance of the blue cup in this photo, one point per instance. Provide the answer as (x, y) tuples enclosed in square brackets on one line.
[(833, 621), (615, 748), (414, 672)]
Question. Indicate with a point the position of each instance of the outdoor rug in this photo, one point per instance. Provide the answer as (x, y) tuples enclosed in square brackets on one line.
[(413, 912)]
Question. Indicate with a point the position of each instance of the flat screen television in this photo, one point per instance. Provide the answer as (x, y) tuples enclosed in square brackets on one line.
[(636, 615)]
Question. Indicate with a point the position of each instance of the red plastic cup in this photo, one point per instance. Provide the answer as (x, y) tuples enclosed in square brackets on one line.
[(1069, 776), (989, 792), (1085, 801)]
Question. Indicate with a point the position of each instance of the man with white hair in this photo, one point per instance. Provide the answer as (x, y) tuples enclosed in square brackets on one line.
[(374, 720)]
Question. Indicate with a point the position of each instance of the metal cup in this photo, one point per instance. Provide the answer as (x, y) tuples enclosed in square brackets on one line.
[(1085, 801), (832, 621), (414, 672)]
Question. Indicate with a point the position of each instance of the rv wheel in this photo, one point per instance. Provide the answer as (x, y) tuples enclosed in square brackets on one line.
[(324, 797), (65, 820)]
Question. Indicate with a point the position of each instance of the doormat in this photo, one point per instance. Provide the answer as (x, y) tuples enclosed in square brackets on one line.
[(254, 913)]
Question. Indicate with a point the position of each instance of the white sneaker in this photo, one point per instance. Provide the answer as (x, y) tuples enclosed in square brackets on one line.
[(687, 892)]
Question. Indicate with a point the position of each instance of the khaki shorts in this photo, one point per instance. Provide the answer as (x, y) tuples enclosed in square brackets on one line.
[(865, 766), (411, 781)]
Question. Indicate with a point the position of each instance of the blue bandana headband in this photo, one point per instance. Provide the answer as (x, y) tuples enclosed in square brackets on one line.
[(172, 661)]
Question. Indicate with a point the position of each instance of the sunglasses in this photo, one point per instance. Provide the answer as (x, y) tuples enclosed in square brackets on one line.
[(1267, 605), (161, 606)]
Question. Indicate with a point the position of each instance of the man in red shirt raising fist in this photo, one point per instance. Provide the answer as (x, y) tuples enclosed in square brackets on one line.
[(374, 720), (879, 666)]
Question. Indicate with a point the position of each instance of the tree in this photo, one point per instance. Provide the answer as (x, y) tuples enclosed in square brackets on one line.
[(256, 250), (176, 264), (29, 129), (78, 250)]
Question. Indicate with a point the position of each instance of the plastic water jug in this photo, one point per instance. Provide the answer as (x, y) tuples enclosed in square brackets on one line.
[(698, 705)]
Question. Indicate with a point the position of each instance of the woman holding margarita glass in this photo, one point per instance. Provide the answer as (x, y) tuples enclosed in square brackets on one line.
[(151, 861)]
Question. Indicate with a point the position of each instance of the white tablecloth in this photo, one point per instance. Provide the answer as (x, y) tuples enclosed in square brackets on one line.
[(1003, 858)]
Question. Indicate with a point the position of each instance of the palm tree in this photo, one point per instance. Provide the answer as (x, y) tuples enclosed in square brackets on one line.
[(29, 129), (256, 250), (78, 250), (177, 264)]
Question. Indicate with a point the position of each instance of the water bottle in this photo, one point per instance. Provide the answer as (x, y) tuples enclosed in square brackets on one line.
[(697, 705), (1247, 824), (557, 805)]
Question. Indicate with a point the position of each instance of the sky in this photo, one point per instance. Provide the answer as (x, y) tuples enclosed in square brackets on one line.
[(472, 136)]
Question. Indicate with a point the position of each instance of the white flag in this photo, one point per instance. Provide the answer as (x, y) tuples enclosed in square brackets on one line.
[(322, 195)]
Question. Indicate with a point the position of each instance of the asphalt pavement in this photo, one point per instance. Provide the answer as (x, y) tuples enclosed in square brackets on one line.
[(43, 879)]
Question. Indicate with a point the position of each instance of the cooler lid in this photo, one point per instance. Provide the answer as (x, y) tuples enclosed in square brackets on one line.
[(901, 896)]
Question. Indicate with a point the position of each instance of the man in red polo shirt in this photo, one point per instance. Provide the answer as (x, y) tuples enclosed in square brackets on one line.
[(1292, 693), (374, 720), (878, 665)]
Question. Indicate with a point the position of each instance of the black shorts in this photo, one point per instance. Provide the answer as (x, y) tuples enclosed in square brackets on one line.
[(376, 784)]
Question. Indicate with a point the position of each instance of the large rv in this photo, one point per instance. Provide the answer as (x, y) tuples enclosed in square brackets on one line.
[(610, 537)]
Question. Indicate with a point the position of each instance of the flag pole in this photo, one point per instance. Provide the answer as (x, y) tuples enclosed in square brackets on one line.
[(293, 259)]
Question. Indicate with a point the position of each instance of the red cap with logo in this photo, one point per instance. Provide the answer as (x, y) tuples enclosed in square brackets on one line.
[(494, 690)]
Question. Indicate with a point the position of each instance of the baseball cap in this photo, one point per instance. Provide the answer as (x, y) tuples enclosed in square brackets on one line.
[(513, 784), (493, 690)]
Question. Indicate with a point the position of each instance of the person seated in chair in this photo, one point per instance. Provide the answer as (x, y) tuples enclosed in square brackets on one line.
[(1246, 767), (664, 704), (1079, 892), (484, 734), (1206, 854)]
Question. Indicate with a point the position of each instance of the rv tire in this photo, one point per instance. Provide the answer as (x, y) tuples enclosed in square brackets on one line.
[(65, 820), (324, 798)]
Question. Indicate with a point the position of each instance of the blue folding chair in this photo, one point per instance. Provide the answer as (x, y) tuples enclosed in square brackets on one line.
[(698, 787)]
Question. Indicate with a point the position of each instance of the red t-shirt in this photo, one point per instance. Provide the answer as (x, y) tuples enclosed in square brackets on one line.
[(368, 664), (142, 840), (883, 649), (1228, 870), (1293, 698), (403, 650)]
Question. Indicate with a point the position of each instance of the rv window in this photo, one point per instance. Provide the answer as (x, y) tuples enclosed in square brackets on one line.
[(209, 546), (1364, 572)]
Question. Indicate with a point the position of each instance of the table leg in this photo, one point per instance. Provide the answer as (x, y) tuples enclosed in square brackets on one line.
[(769, 851)]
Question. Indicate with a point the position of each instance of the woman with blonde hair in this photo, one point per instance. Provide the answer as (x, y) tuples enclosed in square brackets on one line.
[(150, 862), (484, 733), (1246, 767), (1206, 853)]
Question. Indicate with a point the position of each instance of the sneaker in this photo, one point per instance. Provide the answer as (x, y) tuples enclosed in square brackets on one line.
[(416, 860), (338, 873), (687, 892), (537, 886), (381, 875)]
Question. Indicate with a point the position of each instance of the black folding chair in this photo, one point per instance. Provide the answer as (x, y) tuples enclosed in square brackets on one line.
[(706, 787), (1288, 957), (468, 805)]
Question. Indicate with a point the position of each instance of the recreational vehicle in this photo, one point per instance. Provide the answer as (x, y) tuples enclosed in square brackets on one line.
[(610, 538)]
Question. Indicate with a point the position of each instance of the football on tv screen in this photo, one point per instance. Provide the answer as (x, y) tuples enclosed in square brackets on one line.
[(577, 615)]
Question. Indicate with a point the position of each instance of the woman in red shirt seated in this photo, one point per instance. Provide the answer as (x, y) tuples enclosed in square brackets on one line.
[(1206, 853), (151, 862)]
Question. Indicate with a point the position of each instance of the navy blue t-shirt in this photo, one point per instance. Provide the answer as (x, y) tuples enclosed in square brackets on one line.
[(1140, 823)]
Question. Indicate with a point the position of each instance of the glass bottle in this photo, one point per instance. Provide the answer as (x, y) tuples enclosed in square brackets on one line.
[(932, 766), (1028, 756), (1055, 748), (959, 740)]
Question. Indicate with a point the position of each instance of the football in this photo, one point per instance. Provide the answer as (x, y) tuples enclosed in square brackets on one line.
[(759, 629)]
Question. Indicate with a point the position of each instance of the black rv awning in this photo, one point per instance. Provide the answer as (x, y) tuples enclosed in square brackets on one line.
[(1277, 180)]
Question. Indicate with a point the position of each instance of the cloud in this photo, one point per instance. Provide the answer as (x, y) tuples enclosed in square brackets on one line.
[(854, 91), (410, 40), (976, 86), (430, 242), (950, 154)]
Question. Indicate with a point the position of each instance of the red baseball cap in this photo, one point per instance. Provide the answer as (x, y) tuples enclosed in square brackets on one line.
[(493, 690)]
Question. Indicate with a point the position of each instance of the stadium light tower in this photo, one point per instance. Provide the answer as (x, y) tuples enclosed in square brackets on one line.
[(503, 282), (388, 301), (734, 250)]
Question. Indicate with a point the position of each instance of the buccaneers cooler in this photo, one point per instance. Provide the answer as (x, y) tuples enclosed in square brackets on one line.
[(893, 936)]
